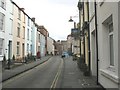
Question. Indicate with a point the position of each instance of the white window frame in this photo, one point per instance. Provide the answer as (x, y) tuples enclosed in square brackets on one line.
[(18, 30), (31, 48), (3, 4), (11, 27), (1, 46), (111, 33), (19, 14), (38, 37), (18, 48), (28, 21), (28, 33), (2, 21), (23, 32), (27, 48)]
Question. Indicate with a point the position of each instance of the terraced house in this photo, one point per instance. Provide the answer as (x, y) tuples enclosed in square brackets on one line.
[(99, 25), (6, 29), (108, 43), (19, 32), (28, 35)]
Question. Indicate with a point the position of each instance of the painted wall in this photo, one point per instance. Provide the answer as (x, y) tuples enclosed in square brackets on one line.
[(7, 34), (92, 39), (75, 46), (50, 46), (119, 42), (108, 75), (28, 36), (20, 38), (42, 45), (34, 38)]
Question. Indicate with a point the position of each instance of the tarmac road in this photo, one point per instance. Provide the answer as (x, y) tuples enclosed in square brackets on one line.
[(57, 72), (43, 76)]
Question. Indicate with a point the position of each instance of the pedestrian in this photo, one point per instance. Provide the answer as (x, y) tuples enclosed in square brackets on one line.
[(38, 55)]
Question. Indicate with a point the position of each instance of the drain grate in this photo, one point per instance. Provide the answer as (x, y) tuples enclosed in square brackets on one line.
[(85, 83)]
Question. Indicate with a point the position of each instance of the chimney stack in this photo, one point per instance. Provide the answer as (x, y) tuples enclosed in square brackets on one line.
[(33, 19), (23, 9)]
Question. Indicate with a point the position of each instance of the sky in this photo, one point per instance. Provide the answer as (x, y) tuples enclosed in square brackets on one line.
[(52, 14)]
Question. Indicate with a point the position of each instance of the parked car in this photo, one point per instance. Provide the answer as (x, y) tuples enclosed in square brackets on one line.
[(64, 54)]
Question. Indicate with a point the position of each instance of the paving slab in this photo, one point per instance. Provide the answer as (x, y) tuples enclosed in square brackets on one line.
[(73, 77)]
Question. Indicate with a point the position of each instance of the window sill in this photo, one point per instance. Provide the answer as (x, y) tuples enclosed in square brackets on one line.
[(110, 75), (18, 54), (1, 56), (18, 36), (10, 34)]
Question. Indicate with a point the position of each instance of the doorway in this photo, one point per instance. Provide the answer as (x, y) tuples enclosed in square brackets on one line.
[(10, 50)]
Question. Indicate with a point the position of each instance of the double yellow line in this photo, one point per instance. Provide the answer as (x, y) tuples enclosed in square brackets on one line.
[(54, 83)]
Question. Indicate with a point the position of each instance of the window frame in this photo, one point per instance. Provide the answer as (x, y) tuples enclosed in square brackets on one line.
[(112, 64), (3, 4), (18, 30), (18, 48), (19, 14), (23, 32), (28, 33), (2, 22), (27, 47), (2, 46)]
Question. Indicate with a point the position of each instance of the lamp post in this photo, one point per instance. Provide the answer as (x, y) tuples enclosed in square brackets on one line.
[(78, 32), (71, 20)]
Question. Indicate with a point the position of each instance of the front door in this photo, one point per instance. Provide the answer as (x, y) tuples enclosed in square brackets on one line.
[(10, 50), (23, 49)]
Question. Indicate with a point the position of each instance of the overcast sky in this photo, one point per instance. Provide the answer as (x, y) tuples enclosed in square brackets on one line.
[(53, 14)]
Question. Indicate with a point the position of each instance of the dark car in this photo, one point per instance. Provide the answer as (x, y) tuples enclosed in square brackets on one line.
[(63, 56)]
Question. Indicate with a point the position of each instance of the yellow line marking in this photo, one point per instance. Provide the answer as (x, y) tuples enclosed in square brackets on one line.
[(54, 83)]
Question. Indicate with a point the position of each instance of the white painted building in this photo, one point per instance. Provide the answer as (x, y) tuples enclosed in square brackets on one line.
[(6, 27), (92, 39), (50, 45), (75, 46), (28, 35), (42, 45), (108, 43), (69, 43), (34, 38)]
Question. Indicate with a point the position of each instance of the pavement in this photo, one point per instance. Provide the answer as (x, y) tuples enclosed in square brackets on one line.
[(73, 77), (7, 74)]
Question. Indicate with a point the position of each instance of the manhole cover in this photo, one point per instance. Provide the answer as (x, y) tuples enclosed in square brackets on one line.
[(85, 84)]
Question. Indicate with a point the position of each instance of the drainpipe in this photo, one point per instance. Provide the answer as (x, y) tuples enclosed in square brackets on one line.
[(88, 40), (96, 40), (83, 32), (79, 24)]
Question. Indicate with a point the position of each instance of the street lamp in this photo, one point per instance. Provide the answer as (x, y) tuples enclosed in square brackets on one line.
[(79, 32), (71, 20), (76, 32)]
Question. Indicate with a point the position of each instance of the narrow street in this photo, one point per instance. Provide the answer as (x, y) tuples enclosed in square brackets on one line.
[(54, 73), (41, 76)]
